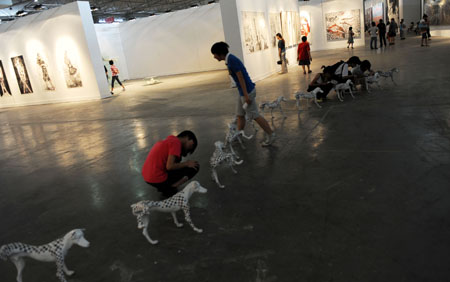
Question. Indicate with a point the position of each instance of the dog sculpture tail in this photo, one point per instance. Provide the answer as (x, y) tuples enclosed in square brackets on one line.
[(141, 209), (7, 251)]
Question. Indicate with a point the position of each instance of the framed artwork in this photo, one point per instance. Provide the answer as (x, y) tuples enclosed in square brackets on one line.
[(305, 25), (275, 27), (393, 10), (368, 18), (42, 66), (22, 75), (290, 24), (4, 86), (71, 71), (255, 32), (338, 23), (377, 13), (438, 11)]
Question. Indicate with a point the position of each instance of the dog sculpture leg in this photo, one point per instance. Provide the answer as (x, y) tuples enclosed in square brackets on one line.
[(281, 110), (367, 85), (351, 92), (20, 264), (240, 142), (271, 112), (233, 162), (232, 150), (317, 103), (60, 269), (145, 221), (392, 78), (187, 216), (67, 271), (338, 92), (175, 220), (216, 178)]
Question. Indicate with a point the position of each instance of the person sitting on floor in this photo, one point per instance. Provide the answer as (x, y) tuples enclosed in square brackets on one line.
[(323, 81)]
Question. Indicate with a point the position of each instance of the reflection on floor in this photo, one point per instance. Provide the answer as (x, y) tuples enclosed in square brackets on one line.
[(355, 191)]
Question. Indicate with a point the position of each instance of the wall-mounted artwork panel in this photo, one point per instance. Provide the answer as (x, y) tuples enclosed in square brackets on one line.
[(22, 76), (4, 85)]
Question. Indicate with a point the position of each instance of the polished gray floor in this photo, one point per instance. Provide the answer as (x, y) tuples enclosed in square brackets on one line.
[(355, 191)]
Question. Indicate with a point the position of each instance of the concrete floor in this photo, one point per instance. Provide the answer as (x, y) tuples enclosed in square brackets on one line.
[(356, 191)]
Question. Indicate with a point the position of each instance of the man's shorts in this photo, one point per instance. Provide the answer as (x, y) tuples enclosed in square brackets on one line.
[(252, 109)]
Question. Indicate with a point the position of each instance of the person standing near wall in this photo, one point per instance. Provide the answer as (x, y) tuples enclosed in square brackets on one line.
[(392, 31), (351, 34), (373, 31), (402, 29), (382, 32), (282, 53), (304, 54), (115, 76), (425, 17), (246, 104), (423, 27)]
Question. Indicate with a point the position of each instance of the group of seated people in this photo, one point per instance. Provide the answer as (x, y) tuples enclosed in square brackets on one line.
[(340, 73)]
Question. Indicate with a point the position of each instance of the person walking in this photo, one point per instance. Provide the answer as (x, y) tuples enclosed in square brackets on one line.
[(246, 102), (351, 34), (304, 54), (402, 27), (282, 53), (392, 31), (423, 27), (425, 17), (115, 76), (382, 33), (373, 31)]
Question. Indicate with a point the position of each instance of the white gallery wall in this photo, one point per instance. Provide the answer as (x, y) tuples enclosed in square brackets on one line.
[(439, 16), (318, 9), (172, 43), (410, 11), (66, 42)]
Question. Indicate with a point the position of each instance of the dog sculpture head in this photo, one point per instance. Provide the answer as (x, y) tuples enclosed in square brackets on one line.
[(280, 99), (219, 145), (76, 237), (263, 105), (317, 90), (195, 187), (349, 82), (394, 70)]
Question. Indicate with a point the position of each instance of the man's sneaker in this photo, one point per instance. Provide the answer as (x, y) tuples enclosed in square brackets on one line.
[(269, 140)]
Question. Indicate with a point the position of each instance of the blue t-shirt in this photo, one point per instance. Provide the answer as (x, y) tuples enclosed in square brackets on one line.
[(235, 65)]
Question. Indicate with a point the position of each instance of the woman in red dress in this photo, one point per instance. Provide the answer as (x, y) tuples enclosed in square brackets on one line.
[(304, 54)]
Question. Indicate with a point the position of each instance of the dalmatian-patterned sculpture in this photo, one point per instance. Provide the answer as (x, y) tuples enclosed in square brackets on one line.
[(387, 74), (234, 134), (52, 252), (341, 88), (220, 156), (173, 204), (308, 95), (274, 105), (372, 79)]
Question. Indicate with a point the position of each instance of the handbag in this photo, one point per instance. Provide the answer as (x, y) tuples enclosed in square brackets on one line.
[(279, 62)]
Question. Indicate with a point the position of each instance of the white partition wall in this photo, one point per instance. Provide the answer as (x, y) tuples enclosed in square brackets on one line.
[(439, 16), (52, 57)]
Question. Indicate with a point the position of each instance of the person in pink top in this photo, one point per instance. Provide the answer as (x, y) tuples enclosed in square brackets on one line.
[(115, 76)]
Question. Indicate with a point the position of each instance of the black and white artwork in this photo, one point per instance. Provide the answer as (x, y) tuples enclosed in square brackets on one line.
[(394, 10), (71, 72), (338, 23), (22, 75), (4, 86), (275, 27), (255, 31), (438, 11), (43, 71), (290, 24)]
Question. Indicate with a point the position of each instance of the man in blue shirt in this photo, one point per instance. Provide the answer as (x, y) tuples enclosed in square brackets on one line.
[(247, 92)]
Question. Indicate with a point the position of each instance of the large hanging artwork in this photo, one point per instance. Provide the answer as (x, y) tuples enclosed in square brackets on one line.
[(338, 23), (438, 11), (22, 75), (377, 12), (71, 72), (290, 24), (394, 10), (275, 27), (368, 18), (305, 25), (255, 32), (4, 86), (41, 62)]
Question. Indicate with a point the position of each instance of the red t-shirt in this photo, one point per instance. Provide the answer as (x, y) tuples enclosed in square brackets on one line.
[(302, 51), (154, 169), (114, 70)]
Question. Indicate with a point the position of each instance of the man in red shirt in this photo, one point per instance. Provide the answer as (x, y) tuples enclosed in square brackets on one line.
[(304, 54), (163, 168)]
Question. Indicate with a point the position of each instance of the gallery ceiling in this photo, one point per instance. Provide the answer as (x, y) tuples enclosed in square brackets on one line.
[(120, 9)]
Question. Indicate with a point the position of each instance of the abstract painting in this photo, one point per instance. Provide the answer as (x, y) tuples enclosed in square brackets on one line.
[(368, 18), (4, 86), (305, 24), (71, 72), (22, 75), (377, 12), (255, 32), (394, 10), (275, 27), (438, 11), (338, 23), (44, 73), (290, 24)]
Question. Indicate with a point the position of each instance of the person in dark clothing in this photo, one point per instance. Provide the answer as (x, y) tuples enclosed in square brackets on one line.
[(323, 81), (282, 52), (382, 32)]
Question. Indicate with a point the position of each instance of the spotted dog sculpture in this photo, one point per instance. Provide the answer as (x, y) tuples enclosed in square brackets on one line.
[(308, 95), (220, 156), (173, 204), (387, 74), (52, 252), (273, 105), (233, 135), (341, 88), (372, 79)]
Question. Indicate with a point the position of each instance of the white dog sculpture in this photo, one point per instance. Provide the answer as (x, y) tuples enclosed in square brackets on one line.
[(234, 135), (372, 79), (273, 105), (342, 87), (173, 204), (308, 95), (219, 156), (387, 74), (52, 252)]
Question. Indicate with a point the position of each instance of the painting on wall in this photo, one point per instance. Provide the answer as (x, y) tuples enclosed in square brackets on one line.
[(290, 24), (368, 18), (394, 10), (4, 86), (438, 11), (377, 13), (22, 75), (275, 27), (338, 23), (42, 66), (255, 31), (305, 24), (71, 72)]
